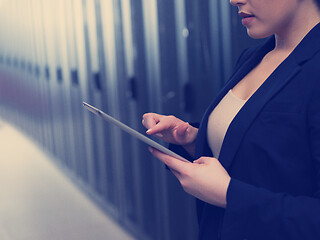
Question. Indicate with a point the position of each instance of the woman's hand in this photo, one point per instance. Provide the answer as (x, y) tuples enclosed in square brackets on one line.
[(205, 178), (171, 129)]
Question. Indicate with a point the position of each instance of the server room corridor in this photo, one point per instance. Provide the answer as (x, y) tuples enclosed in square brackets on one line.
[(37, 201), (67, 174)]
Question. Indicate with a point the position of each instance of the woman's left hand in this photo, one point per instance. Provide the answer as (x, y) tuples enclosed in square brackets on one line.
[(205, 178)]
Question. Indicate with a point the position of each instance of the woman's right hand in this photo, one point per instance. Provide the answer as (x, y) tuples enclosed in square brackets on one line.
[(170, 129)]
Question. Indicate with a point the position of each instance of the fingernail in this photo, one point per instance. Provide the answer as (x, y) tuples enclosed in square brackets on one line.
[(150, 149), (148, 130)]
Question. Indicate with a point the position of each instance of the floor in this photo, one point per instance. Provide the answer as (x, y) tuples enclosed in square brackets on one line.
[(37, 202)]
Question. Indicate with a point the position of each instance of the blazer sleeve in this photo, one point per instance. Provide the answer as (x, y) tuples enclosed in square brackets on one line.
[(257, 213)]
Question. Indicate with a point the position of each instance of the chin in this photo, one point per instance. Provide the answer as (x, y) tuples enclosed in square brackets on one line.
[(258, 34)]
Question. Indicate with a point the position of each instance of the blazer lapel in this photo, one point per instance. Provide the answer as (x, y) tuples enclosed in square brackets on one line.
[(252, 108), (245, 66), (276, 81)]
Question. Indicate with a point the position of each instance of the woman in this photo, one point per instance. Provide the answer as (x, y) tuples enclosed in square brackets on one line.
[(264, 127)]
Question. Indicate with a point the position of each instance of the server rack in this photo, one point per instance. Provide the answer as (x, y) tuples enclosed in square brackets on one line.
[(143, 217), (44, 105), (75, 92), (84, 80), (95, 85)]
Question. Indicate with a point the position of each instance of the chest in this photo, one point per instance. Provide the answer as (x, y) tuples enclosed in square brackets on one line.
[(257, 76)]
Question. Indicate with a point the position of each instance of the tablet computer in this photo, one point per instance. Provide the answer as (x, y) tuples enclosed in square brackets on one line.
[(131, 131)]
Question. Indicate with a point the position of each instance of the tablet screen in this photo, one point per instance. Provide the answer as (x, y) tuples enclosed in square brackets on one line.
[(132, 132)]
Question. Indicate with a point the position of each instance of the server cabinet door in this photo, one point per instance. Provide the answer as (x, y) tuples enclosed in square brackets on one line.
[(181, 221), (155, 95), (143, 166), (38, 132), (115, 101), (44, 110), (64, 86), (82, 87), (45, 37), (129, 178), (57, 96), (203, 58), (75, 93), (94, 125), (29, 81)]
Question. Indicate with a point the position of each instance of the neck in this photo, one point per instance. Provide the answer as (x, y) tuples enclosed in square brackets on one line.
[(288, 39)]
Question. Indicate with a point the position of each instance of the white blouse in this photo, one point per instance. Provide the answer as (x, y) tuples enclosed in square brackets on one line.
[(220, 119)]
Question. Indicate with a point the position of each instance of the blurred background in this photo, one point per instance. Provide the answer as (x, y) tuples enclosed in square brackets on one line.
[(126, 57)]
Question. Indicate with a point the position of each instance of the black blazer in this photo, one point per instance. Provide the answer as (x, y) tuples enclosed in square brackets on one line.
[(271, 151)]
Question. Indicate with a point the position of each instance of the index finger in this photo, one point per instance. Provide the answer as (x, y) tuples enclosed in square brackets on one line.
[(150, 120)]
